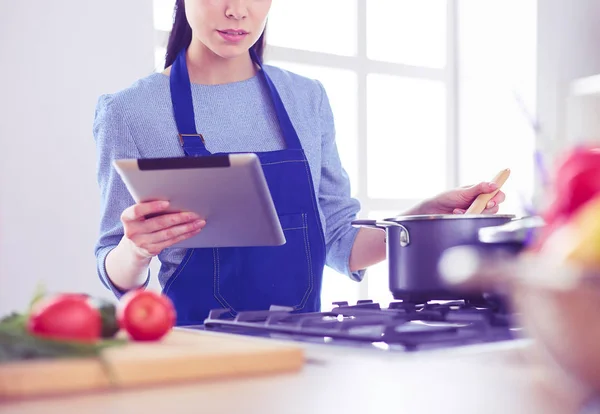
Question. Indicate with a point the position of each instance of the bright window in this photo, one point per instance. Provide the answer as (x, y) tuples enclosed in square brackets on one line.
[(497, 80), (341, 87), (427, 95), (401, 107), (314, 25), (163, 15), (411, 32)]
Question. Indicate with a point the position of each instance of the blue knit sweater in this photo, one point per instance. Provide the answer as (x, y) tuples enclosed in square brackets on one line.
[(137, 122)]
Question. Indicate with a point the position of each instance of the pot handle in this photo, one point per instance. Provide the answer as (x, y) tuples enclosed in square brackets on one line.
[(384, 225), (378, 224), (515, 231)]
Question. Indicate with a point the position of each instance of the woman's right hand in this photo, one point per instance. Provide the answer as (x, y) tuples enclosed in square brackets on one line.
[(149, 236)]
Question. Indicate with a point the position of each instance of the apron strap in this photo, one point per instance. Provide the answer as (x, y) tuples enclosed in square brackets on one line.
[(183, 108), (285, 124)]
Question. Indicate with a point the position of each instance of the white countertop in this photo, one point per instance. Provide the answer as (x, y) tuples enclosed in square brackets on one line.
[(495, 378)]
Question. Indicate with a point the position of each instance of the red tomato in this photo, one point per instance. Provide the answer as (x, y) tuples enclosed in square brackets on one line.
[(66, 317), (583, 187), (146, 315), (577, 181)]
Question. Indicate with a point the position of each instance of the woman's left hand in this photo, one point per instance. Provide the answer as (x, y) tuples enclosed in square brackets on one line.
[(458, 200)]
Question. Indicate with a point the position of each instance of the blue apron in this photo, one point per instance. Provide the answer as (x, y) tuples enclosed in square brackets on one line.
[(252, 278)]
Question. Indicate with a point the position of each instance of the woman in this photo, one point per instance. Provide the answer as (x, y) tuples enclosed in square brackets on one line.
[(215, 88)]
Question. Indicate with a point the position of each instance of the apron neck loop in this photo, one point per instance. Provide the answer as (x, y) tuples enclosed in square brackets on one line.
[(183, 107), (285, 124)]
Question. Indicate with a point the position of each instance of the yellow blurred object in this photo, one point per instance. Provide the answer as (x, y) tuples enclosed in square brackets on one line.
[(582, 235)]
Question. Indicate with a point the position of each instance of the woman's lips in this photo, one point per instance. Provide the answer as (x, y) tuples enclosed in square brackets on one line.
[(233, 35)]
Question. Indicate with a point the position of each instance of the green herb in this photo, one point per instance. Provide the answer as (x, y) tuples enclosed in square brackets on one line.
[(13, 321), (38, 294), (17, 344)]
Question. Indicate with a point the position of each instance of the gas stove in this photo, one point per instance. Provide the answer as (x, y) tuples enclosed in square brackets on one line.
[(398, 327)]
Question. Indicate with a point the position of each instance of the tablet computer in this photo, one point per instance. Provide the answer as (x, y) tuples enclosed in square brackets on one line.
[(228, 191)]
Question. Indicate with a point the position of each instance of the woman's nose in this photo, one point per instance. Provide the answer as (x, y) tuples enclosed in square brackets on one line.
[(237, 9)]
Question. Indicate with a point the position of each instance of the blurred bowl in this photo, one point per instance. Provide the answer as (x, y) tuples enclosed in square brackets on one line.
[(562, 316), (557, 305)]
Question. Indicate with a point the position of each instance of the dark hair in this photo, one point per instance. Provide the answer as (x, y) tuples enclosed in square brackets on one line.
[(181, 36)]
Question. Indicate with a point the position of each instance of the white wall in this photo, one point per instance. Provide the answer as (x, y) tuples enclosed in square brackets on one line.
[(568, 48), (57, 57)]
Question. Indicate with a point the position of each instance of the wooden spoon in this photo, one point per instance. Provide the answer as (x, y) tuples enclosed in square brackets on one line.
[(481, 201)]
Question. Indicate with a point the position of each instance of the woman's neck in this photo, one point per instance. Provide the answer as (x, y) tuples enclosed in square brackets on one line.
[(207, 68)]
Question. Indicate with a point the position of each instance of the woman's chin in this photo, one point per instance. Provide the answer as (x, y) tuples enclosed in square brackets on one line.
[(231, 51)]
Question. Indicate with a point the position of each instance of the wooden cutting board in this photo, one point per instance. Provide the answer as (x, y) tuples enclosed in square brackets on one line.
[(180, 356)]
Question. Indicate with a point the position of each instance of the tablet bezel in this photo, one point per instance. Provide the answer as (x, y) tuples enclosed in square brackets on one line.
[(236, 203)]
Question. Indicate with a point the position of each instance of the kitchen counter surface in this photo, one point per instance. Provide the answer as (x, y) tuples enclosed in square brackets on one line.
[(496, 378)]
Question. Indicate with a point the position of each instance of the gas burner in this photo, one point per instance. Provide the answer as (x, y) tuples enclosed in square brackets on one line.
[(399, 326)]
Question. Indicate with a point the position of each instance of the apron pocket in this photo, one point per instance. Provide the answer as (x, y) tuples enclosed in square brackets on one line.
[(287, 278), (292, 222), (273, 275)]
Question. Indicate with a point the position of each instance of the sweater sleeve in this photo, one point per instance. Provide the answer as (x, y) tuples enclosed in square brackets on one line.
[(113, 141), (335, 200)]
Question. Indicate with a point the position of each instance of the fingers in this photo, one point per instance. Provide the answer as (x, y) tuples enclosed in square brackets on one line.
[(151, 235), (486, 187), (141, 210), (492, 210), (469, 193), (151, 244), (168, 220), (495, 202), (498, 198), (174, 232), (156, 248)]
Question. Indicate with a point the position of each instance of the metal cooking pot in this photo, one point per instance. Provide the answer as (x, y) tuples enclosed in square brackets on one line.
[(416, 243)]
